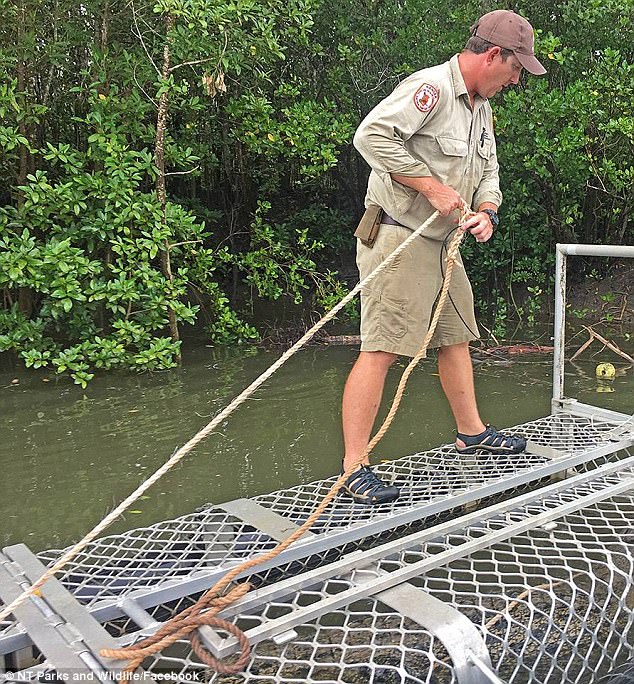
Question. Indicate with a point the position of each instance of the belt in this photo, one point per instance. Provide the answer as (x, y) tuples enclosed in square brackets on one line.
[(388, 220)]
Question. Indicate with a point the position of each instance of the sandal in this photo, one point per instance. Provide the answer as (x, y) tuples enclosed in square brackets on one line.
[(366, 488), (492, 441)]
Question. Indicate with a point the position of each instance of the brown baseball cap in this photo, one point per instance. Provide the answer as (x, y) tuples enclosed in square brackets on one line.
[(508, 30)]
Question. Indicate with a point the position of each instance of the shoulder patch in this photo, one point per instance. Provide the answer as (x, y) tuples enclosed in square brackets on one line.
[(426, 97)]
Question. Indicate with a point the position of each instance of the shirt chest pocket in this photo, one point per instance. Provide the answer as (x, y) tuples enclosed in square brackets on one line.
[(451, 160), (452, 147), (485, 149)]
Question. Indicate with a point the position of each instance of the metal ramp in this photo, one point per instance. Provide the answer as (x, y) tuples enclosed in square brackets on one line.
[(485, 570)]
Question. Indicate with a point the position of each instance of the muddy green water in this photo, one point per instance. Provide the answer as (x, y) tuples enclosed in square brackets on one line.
[(68, 456)]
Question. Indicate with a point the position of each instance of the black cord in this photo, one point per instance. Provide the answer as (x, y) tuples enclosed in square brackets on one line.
[(442, 272)]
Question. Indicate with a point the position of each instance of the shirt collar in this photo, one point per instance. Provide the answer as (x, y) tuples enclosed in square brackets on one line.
[(458, 83), (459, 86)]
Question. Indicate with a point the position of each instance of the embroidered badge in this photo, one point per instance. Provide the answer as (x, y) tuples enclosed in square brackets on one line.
[(426, 97)]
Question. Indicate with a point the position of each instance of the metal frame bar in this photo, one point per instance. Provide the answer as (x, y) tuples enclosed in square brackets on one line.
[(578, 408), (486, 671), (41, 622), (563, 251), (66, 614)]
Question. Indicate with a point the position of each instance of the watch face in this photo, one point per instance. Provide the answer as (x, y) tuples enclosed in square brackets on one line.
[(493, 216)]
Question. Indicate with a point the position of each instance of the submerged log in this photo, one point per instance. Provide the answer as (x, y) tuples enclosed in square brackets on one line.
[(517, 349), (340, 339)]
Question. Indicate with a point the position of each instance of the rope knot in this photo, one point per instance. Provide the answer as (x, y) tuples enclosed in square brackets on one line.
[(185, 624), (226, 598)]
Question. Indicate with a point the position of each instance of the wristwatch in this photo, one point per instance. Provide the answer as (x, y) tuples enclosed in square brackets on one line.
[(493, 215)]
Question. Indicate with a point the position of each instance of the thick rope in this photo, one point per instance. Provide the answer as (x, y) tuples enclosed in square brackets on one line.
[(205, 431), (203, 612), (185, 624), (173, 630)]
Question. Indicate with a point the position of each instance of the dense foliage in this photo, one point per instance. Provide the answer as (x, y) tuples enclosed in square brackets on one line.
[(176, 161)]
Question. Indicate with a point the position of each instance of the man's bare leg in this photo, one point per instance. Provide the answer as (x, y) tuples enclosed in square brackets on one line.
[(361, 401), (456, 377)]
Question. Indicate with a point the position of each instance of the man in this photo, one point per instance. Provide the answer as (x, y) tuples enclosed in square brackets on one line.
[(430, 144)]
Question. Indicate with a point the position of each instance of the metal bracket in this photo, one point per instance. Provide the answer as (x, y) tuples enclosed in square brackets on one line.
[(587, 410), (457, 633), (545, 451), (263, 519)]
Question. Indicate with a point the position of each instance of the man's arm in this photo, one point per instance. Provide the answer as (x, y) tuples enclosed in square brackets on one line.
[(446, 199), (441, 197), (381, 139)]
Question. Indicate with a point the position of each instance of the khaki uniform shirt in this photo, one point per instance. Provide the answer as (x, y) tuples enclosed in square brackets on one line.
[(426, 127)]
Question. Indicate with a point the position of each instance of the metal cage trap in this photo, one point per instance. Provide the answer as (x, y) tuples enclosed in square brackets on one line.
[(486, 570)]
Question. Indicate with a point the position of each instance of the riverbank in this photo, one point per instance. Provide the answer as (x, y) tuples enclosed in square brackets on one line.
[(609, 300)]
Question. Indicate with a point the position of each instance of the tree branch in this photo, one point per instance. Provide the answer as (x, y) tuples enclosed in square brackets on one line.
[(140, 36), (182, 173), (194, 62), (185, 242)]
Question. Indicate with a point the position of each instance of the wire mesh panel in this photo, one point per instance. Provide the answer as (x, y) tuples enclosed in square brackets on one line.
[(555, 604), (117, 565), (442, 473), (369, 642)]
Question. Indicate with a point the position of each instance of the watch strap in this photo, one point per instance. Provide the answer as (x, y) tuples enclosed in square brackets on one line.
[(493, 215)]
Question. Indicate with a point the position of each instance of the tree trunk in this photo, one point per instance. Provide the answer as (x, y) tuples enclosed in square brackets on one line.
[(21, 73), (103, 29), (159, 160), (25, 296)]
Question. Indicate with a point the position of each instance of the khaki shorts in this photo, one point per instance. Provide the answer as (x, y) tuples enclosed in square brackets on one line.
[(396, 307)]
